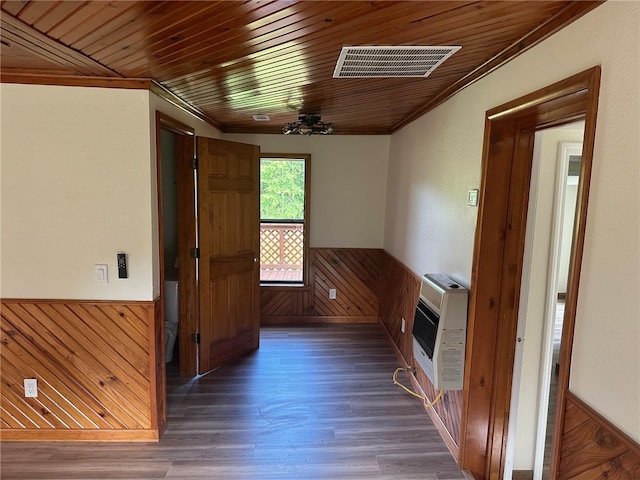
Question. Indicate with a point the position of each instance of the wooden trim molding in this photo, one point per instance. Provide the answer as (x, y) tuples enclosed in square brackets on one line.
[(498, 259), (75, 81), (593, 448), (306, 254), (567, 15), (99, 367), (172, 98), (158, 377), (186, 204), (318, 319)]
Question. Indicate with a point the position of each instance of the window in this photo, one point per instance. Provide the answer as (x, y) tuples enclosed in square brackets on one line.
[(284, 218)]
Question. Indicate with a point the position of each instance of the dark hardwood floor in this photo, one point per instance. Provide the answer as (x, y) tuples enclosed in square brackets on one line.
[(315, 402)]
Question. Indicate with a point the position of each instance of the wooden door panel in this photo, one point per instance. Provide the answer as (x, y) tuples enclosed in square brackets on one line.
[(220, 294), (245, 234), (229, 219), (245, 300), (217, 237), (224, 266)]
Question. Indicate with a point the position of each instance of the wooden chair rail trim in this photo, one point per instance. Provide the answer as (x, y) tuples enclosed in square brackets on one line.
[(59, 301)]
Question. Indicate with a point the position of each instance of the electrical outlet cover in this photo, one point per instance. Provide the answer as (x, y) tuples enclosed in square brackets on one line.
[(30, 387)]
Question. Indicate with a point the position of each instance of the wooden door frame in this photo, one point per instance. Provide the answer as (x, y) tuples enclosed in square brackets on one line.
[(188, 300), (498, 259)]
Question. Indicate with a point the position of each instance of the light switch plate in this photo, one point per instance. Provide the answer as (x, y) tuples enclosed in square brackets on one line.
[(472, 200), (101, 272)]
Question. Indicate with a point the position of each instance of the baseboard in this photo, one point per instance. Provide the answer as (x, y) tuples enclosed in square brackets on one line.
[(99, 367), (433, 414), (41, 435), (315, 320)]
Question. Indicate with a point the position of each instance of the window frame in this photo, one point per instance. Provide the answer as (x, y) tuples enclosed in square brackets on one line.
[(306, 221)]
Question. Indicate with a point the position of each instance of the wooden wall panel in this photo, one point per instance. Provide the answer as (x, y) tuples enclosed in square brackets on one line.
[(99, 367), (593, 449), (399, 293), (353, 272)]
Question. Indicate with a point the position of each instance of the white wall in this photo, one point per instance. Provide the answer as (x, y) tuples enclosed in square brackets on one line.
[(75, 192), (436, 159), (348, 184)]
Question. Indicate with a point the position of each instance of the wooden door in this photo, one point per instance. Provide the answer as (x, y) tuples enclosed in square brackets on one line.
[(228, 233)]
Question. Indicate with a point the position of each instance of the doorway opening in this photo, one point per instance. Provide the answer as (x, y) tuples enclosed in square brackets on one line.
[(498, 265), (169, 242), (547, 252), (175, 147), (215, 199)]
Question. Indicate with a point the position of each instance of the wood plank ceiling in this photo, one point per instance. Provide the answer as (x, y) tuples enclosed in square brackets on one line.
[(228, 60)]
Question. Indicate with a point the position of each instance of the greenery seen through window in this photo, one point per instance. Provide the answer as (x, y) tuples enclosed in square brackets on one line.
[(281, 189)]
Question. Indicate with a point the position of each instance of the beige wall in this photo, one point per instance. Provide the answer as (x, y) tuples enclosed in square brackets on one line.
[(75, 191), (436, 159), (348, 184), (78, 179)]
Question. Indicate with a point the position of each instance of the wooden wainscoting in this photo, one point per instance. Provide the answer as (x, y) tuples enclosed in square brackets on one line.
[(353, 272), (594, 449), (399, 291), (99, 367)]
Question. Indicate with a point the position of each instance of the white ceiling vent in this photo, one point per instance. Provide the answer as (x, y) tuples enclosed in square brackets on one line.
[(378, 62)]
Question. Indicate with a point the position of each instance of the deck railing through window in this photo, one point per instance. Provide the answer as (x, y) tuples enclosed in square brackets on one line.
[(281, 251)]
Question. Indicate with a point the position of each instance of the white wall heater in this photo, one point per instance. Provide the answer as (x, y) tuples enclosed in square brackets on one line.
[(440, 331)]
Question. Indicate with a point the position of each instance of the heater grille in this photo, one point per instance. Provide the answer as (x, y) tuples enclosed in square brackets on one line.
[(379, 62)]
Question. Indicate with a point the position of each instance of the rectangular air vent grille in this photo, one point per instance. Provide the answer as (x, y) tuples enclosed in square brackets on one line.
[(379, 62)]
